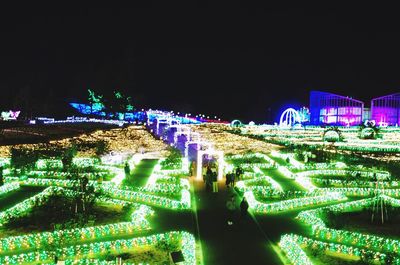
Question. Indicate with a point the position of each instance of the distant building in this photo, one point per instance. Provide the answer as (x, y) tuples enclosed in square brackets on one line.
[(331, 109), (385, 110)]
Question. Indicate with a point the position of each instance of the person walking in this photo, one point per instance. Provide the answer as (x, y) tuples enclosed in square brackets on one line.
[(231, 206), (239, 173), (127, 170), (228, 179), (204, 172), (1, 176), (214, 181), (244, 206), (232, 180), (192, 169), (209, 178)]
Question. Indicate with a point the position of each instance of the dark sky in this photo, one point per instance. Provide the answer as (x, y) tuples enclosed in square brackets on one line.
[(233, 62)]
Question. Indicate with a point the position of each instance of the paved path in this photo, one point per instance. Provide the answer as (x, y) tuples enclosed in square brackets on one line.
[(248, 241), (242, 243), (142, 172), (286, 183)]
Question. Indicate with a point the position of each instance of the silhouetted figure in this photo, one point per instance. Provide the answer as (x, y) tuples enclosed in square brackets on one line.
[(209, 176), (1, 177), (239, 173), (244, 206), (214, 181), (84, 182), (192, 169), (230, 180), (127, 170)]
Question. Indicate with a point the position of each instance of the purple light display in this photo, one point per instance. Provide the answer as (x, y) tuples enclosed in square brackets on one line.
[(332, 109), (386, 110)]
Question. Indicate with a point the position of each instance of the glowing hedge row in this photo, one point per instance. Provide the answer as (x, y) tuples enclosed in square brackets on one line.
[(292, 245), (356, 183), (180, 171), (245, 185), (161, 188), (9, 187), (60, 174), (320, 166), (98, 262), (84, 162), (96, 249), (77, 235), (48, 182), (25, 205), (363, 192), (73, 235), (293, 250), (344, 172), (291, 204), (259, 165), (43, 164), (5, 162), (81, 162), (248, 156), (133, 196), (372, 242)]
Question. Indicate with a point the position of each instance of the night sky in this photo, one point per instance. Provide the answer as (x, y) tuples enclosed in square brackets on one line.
[(232, 62)]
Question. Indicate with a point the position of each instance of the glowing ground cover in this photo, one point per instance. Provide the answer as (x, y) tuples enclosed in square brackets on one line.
[(376, 243), (293, 246), (76, 235), (361, 221), (156, 192), (355, 245), (358, 182), (166, 189)]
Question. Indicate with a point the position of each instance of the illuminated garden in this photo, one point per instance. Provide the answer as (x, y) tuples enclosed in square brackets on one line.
[(138, 191)]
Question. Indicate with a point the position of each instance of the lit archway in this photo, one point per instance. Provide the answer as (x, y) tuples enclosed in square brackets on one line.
[(181, 130), (289, 118), (236, 123), (194, 139), (211, 152)]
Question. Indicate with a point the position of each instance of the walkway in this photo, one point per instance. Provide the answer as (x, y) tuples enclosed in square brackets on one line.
[(251, 240), (241, 243), (142, 172), (286, 183)]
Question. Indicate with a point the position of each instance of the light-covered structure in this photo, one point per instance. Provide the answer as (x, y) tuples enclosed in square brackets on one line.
[(385, 110), (332, 109), (289, 118)]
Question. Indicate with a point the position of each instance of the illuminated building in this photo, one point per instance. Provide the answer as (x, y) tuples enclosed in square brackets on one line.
[(386, 110), (332, 109)]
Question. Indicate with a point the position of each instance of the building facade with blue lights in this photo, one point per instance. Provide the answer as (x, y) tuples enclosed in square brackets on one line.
[(331, 109)]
